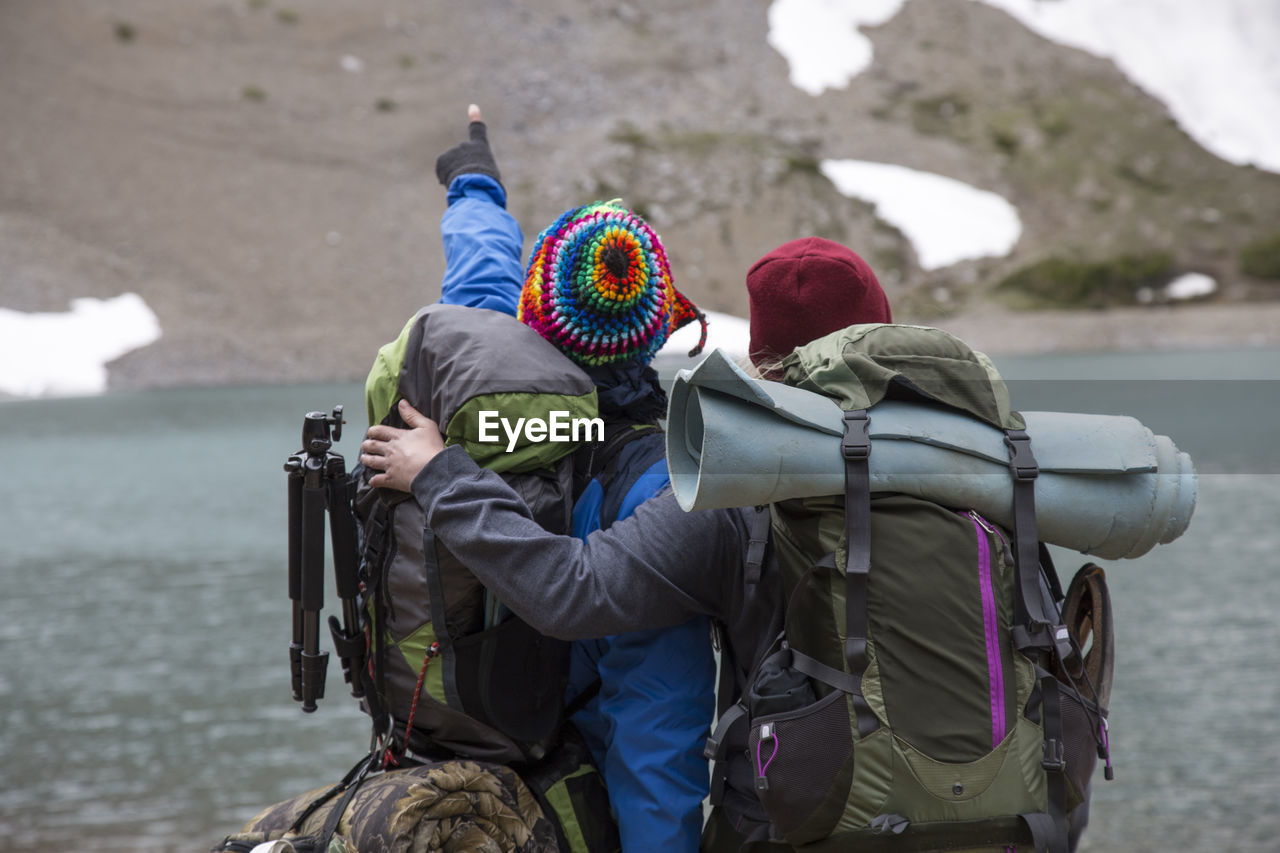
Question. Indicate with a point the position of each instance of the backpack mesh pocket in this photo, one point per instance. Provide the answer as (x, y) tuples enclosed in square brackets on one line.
[(1080, 745), (797, 758)]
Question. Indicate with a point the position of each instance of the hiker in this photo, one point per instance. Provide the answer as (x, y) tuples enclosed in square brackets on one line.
[(661, 566), (653, 687)]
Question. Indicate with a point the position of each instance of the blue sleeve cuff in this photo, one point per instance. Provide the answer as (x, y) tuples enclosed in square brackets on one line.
[(478, 187)]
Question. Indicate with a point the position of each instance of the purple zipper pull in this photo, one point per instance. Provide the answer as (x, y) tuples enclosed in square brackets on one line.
[(767, 732)]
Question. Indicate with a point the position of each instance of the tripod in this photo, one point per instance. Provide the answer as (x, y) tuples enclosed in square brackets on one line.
[(318, 482)]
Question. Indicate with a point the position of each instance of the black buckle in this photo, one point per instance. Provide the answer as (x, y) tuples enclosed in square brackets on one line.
[(711, 751), (856, 442), (1021, 460), (1055, 756)]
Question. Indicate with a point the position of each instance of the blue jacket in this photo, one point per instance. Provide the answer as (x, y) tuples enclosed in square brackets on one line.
[(647, 724)]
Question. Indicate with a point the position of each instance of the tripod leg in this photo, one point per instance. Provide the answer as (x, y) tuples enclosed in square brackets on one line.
[(348, 638), (312, 585), (294, 467)]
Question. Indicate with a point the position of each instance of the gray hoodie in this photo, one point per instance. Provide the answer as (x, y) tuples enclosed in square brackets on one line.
[(658, 567)]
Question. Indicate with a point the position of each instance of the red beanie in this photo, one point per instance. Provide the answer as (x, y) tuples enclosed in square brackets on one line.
[(808, 288)]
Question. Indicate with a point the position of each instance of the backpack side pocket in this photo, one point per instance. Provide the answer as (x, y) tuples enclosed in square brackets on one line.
[(799, 757)]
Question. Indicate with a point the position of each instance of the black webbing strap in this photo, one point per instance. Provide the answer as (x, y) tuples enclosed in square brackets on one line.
[(601, 458), (757, 545), (349, 783), (1036, 626), (717, 746), (839, 679), (894, 834), (435, 589), (855, 447), (847, 682), (1040, 825), (373, 571), (1026, 557), (1036, 629), (335, 816), (728, 712), (1054, 760), (577, 703)]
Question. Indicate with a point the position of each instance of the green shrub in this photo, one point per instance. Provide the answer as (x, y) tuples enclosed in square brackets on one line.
[(1063, 283), (803, 164), (627, 133), (1054, 125), (1261, 258), (1142, 179), (938, 115), (1005, 140)]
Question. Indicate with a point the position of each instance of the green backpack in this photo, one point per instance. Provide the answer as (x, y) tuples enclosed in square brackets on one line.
[(926, 692), (450, 671), (449, 675)]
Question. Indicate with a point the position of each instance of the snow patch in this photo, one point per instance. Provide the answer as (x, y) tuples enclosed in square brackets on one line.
[(821, 41), (947, 221), (47, 354), (1192, 285), (1215, 65)]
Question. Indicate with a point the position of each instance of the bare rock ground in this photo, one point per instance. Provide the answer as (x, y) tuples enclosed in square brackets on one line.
[(261, 171)]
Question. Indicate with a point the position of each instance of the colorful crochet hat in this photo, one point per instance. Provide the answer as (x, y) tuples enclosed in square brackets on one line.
[(599, 287)]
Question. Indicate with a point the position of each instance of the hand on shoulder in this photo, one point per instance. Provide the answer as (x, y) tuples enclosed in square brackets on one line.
[(400, 454)]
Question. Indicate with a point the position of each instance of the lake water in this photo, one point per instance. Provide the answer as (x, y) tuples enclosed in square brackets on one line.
[(144, 619)]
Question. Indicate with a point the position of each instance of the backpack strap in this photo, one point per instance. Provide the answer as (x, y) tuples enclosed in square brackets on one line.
[(757, 543), (855, 447), (1039, 634), (435, 589), (731, 684), (727, 713), (1054, 760), (601, 457), (1034, 626), (717, 748)]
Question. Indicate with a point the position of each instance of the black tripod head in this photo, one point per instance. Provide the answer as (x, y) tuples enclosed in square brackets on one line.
[(320, 431)]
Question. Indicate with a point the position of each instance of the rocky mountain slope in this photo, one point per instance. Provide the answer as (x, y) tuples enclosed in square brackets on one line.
[(260, 171)]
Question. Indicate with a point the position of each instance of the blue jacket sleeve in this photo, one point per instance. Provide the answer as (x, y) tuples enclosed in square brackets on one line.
[(482, 247)]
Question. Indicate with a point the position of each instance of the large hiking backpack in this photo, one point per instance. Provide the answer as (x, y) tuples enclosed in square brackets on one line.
[(450, 670), (926, 692)]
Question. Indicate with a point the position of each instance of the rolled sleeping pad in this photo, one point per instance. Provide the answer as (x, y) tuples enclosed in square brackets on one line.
[(1107, 486)]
